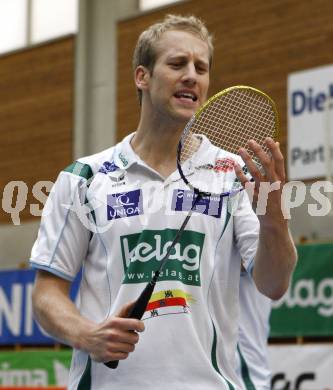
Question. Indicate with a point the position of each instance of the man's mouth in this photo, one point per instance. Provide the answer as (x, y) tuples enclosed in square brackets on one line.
[(186, 95)]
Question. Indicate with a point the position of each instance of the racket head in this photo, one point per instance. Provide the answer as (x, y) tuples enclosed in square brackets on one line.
[(227, 120)]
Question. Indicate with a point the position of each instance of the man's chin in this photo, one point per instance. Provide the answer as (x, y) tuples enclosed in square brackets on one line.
[(184, 115)]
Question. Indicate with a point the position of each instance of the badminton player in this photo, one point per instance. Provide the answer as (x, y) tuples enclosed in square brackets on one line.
[(115, 213)]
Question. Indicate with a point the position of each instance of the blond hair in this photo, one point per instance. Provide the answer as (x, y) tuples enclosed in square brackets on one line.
[(145, 50)]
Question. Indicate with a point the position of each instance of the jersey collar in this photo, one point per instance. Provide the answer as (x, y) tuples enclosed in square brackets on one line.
[(124, 155), (207, 154)]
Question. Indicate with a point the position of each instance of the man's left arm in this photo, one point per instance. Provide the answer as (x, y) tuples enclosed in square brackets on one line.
[(276, 254)]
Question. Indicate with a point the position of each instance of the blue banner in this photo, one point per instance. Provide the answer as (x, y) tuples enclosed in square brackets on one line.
[(17, 325)]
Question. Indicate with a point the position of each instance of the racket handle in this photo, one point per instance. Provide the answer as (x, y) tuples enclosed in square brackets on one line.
[(138, 309), (113, 364)]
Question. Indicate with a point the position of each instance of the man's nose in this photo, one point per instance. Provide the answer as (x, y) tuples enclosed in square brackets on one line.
[(190, 74)]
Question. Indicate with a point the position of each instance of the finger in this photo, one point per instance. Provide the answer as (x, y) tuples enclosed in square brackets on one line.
[(125, 310), (122, 336), (115, 356), (108, 357), (115, 347), (277, 156), (126, 324), (251, 165), (240, 174), (264, 158), (124, 313), (113, 352)]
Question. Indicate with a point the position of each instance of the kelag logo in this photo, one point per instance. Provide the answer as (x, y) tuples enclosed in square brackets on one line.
[(306, 309), (142, 253), (125, 204), (307, 293)]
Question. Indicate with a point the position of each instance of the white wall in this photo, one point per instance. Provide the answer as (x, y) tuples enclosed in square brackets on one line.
[(95, 100)]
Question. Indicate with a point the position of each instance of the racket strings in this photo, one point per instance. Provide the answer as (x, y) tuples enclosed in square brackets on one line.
[(246, 118), (231, 120)]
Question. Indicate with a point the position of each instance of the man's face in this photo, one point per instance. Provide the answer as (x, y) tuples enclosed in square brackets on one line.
[(179, 82)]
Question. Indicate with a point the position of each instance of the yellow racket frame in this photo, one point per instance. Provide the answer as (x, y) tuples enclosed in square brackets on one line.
[(245, 87)]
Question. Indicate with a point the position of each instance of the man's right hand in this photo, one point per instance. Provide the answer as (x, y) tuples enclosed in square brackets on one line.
[(114, 338)]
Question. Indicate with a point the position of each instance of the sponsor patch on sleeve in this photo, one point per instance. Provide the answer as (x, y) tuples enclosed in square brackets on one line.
[(124, 204), (182, 200)]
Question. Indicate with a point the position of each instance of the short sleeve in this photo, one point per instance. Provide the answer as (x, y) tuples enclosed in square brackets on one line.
[(63, 238)]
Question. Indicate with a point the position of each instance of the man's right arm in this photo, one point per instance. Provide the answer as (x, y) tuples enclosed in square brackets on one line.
[(113, 339)]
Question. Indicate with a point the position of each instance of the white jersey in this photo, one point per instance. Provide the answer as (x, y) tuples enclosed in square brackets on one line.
[(116, 217), (252, 353)]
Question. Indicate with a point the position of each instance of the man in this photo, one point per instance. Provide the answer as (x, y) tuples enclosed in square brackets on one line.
[(252, 354), (188, 338)]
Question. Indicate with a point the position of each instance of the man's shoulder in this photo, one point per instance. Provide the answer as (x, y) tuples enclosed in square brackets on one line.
[(87, 166), (95, 161)]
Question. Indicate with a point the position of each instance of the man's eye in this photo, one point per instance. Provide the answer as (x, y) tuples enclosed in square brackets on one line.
[(201, 70)]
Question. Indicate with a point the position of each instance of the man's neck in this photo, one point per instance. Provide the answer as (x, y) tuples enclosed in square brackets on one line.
[(157, 146)]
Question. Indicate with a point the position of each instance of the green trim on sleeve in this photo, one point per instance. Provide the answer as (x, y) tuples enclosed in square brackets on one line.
[(79, 169)]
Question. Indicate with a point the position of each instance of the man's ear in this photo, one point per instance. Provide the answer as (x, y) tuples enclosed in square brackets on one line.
[(141, 77)]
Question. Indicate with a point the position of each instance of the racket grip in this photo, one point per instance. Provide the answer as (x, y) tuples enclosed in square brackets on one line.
[(138, 309), (113, 364)]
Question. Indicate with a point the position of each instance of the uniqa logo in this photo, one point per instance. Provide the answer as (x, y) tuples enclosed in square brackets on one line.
[(188, 255), (125, 204), (122, 212), (124, 207), (305, 294)]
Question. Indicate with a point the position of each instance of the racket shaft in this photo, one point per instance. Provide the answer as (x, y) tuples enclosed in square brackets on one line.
[(140, 305)]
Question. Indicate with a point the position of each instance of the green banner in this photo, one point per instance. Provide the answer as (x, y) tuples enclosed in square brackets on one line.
[(35, 368), (307, 307)]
